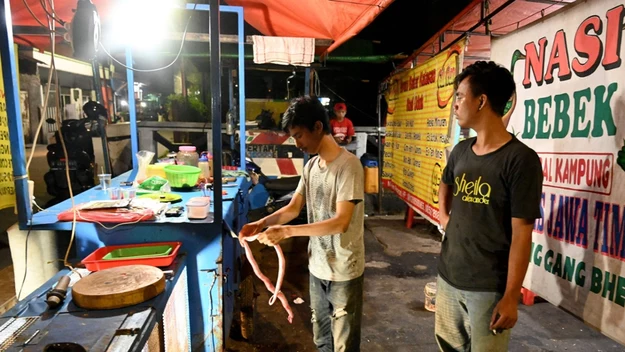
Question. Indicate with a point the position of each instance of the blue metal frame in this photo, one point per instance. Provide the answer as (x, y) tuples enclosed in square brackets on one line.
[(132, 109), (14, 116), (230, 100), (241, 76), (306, 92), (211, 253), (216, 98), (241, 71), (215, 70)]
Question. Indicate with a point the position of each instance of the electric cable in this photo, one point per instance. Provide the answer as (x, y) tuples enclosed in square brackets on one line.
[(184, 35), (30, 227), (33, 14)]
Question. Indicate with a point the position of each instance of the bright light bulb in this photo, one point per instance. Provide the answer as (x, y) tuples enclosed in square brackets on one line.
[(141, 24)]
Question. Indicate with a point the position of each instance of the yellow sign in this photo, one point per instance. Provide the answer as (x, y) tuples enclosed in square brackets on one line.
[(418, 129), (7, 187)]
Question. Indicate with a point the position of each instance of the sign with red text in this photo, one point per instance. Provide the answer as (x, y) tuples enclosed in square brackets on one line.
[(570, 108), (418, 130)]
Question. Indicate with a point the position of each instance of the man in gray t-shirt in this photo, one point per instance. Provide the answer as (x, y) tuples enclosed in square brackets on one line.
[(332, 189)]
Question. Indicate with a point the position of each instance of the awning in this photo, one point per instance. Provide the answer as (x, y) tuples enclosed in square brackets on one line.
[(502, 16), (338, 20)]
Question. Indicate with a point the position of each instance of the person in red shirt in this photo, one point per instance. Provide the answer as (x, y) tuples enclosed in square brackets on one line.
[(342, 127)]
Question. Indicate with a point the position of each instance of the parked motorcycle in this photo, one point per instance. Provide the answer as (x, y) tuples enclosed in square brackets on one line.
[(80, 152), (276, 193)]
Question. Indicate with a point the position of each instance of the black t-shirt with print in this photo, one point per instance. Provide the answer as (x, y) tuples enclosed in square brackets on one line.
[(488, 191)]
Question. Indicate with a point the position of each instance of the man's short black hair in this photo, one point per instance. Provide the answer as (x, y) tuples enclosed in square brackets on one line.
[(491, 79), (305, 111)]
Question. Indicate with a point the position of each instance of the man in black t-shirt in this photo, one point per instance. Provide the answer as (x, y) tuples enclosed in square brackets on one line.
[(489, 199)]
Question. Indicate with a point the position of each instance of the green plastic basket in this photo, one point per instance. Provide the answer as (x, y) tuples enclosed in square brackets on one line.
[(180, 176), (138, 252)]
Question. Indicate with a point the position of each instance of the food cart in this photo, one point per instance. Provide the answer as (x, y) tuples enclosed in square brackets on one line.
[(204, 277)]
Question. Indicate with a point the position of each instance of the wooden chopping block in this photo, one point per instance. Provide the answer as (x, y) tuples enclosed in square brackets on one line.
[(118, 287)]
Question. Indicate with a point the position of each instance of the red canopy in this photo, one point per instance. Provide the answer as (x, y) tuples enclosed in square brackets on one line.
[(337, 20), (64, 10)]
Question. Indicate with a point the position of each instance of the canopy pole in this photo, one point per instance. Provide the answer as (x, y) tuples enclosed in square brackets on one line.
[(14, 116)]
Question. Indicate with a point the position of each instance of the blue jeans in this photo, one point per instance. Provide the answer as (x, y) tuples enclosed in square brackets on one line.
[(336, 313), (463, 320)]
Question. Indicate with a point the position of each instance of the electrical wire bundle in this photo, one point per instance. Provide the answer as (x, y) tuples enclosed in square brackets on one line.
[(51, 20)]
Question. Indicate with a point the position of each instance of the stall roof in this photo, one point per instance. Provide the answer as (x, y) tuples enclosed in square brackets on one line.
[(337, 20), (502, 17)]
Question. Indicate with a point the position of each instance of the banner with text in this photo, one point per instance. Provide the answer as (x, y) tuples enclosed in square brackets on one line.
[(418, 130), (570, 108), (7, 187)]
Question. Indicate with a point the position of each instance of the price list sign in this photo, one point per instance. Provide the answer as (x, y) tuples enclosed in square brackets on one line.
[(418, 130)]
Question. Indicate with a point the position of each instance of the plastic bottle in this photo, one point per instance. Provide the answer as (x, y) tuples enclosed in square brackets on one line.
[(204, 166), (210, 164)]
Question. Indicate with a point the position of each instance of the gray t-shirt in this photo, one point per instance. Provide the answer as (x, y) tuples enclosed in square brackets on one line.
[(338, 257)]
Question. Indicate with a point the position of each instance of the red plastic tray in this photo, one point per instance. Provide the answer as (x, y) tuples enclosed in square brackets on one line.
[(95, 261)]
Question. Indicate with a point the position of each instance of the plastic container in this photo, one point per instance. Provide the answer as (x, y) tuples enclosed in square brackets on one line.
[(96, 260), (430, 296), (129, 193), (370, 163), (139, 252), (371, 180), (198, 207), (156, 170), (181, 176), (186, 156), (105, 181), (114, 193)]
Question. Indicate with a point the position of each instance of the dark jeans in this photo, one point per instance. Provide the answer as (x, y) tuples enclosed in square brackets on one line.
[(336, 313)]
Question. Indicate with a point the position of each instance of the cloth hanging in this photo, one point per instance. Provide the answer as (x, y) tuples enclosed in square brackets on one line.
[(283, 50)]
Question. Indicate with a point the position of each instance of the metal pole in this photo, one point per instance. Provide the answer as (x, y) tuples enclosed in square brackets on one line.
[(481, 22), (14, 117), (215, 70), (95, 68), (380, 154), (241, 75), (306, 92), (132, 109), (307, 81), (230, 101)]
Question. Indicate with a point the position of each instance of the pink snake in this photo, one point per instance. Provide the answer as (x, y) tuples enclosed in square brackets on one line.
[(274, 290)]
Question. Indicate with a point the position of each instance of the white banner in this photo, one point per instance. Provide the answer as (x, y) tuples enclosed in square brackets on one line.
[(570, 108)]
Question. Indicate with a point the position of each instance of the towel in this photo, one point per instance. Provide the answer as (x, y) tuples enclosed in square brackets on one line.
[(283, 50)]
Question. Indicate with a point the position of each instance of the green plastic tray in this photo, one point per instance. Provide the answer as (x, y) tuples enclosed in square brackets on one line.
[(138, 252)]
